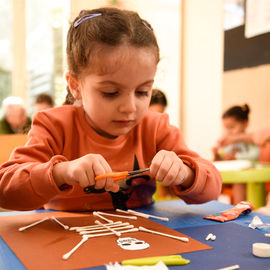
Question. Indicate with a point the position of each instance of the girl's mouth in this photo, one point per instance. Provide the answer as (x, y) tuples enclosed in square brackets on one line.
[(124, 123)]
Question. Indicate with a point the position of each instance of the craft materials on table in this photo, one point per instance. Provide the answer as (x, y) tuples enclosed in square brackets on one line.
[(232, 247), (184, 239), (33, 224), (261, 250), (116, 266), (242, 208), (129, 211), (210, 236), (258, 223), (100, 216), (87, 238), (114, 215), (130, 243), (108, 228), (60, 223), (117, 176), (233, 267), (168, 260), (42, 220)]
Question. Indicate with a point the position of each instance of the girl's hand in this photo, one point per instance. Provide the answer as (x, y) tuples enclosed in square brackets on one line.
[(82, 171), (168, 168)]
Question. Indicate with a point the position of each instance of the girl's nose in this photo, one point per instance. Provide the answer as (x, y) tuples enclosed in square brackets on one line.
[(128, 104)]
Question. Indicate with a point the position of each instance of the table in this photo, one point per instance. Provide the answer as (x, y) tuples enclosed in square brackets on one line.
[(232, 246), (254, 178)]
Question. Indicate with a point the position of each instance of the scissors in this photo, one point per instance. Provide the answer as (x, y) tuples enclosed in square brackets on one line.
[(116, 177)]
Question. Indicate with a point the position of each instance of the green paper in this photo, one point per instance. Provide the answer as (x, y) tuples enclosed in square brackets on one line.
[(168, 260)]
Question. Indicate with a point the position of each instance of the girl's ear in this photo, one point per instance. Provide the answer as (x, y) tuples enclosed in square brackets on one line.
[(73, 84)]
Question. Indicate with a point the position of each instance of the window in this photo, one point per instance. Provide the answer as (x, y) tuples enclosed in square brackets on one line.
[(6, 58), (45, 20)]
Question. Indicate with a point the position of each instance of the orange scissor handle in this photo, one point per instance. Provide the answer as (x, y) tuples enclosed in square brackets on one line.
[(115, 175)]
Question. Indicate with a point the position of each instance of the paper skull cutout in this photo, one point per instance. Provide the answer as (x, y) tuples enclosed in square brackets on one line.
[(132, 243)]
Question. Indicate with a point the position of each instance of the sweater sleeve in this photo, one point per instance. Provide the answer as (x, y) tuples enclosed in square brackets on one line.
[(207, 183), (261, 136), (26, 181)]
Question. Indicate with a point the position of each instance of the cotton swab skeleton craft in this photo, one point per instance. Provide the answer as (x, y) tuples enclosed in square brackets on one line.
[(103, 229)]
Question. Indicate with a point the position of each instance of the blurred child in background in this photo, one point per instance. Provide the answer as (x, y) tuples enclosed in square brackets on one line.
[(235, 121), (15, 119), (43, 102), (158, 102), (260, 137)]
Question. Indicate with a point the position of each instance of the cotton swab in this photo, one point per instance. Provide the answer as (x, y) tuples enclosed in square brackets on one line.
[(100, 216), (147, 215), (67, 255), (233, 267), (60, 223), (121, 211), (104, 230), (96, 226), (113, 215), (33, 224), (129, 211), (208, 237), (86, 237), (108, 228), (184, 239), (100, 227), (110, 233)]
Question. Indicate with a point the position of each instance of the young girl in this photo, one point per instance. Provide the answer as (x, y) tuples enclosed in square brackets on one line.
[(112, 59), (260, 137), (235, 121)]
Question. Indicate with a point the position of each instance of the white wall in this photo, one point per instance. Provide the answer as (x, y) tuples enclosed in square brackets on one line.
[(164, 16), (202, 69)]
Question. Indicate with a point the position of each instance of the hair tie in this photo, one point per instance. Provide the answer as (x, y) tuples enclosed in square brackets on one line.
[(86, 17), (81, 12), (147, 25)]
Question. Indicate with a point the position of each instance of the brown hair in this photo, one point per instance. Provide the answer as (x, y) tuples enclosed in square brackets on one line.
[(112, 27), (158, 97), (240, 113), (45, 98)]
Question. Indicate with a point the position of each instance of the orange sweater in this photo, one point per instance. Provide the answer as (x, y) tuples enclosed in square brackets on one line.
[(62, 134)]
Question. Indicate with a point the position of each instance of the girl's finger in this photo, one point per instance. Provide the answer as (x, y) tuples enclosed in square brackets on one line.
[(172, 173), (84, 180), (156, 163)]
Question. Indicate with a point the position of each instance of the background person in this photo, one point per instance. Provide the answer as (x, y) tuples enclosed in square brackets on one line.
[(235, 121), (260, 137), (43, 102), (158, 102), (15, 119)]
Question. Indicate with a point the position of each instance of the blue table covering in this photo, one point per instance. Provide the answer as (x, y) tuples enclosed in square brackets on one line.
[(232, 246)]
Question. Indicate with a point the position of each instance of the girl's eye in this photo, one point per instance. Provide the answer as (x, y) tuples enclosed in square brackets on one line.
[(110, 94), (142, 93)]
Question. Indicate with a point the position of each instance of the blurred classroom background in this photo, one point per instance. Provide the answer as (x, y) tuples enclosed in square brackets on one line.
[(214, 54)]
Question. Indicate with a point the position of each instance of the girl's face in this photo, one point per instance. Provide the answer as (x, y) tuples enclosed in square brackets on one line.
[(116, 100), (234, 127)]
